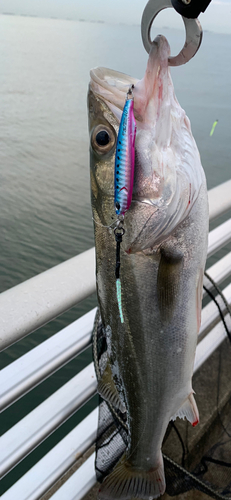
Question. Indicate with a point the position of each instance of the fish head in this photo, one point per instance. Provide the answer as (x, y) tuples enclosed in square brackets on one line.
[(167, 173), (106, 99)]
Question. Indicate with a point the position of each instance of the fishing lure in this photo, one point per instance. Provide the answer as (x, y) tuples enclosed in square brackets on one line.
[(125, 157), (124, 177)]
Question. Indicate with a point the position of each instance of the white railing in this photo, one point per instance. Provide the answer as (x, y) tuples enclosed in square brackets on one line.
[(44, 297), (40, 300)]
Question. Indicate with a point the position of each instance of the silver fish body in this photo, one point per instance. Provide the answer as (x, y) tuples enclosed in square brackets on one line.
[(150, 355)]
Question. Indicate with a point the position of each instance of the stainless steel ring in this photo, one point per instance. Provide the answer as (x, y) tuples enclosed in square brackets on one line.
[(192, 27)]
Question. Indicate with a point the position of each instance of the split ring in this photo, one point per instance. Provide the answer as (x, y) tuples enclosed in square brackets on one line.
[(192, 27)]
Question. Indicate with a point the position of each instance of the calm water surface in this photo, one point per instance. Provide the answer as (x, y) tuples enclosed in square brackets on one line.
[(45, 214), (44, 174)]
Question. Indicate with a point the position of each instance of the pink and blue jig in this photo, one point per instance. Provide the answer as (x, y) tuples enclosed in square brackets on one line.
[(125, 157), (124, 177)]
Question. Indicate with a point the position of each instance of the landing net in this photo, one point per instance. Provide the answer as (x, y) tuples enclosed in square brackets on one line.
[(194, 459)]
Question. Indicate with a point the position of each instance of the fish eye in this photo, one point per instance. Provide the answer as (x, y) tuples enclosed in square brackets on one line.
[(102, 139)]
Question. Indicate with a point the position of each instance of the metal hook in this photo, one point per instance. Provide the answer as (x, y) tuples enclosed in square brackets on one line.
[(129, 92), (192, 27)]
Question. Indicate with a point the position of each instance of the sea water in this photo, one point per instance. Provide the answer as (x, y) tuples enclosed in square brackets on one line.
[(45, 213)]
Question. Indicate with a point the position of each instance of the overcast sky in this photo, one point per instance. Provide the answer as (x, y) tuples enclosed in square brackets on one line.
[(216, 18)]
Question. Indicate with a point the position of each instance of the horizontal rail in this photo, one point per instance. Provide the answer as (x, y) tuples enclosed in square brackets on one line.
[(79, 483), (219, 200), (218, 272), (210, 313), (53, 353), (46, 296), (219, 237), (27, 371), (56, 462), (84, 478), (35, 366), (32, 368), (29, 432), (209, 344)]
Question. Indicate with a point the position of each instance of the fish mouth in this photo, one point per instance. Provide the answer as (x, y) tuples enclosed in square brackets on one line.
[(112, 86)]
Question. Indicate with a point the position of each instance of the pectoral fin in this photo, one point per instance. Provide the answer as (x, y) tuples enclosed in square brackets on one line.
[(189, 410), (107, 389), (168, 281)]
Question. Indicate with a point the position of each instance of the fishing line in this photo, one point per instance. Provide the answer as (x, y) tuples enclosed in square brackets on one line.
[(207, 458), (99, 223), (211, 295), (219, 309), (213, 461), (218, 394), (219, 291), (181, 441)]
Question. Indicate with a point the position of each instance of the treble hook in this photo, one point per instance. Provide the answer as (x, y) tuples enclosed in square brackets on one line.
[(192, 27)]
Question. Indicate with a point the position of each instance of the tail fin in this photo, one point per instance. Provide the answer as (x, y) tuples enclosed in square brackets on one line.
[(125, 482)]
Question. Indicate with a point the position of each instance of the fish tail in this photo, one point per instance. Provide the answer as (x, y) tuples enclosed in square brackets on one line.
[(126, 482)]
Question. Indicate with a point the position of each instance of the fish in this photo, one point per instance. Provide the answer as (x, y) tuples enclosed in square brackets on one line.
[(150, 355)]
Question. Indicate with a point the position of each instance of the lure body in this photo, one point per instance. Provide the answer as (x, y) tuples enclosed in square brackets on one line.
[(124, 159)]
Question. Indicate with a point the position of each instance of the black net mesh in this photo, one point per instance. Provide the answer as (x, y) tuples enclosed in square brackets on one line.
[(199, 460)]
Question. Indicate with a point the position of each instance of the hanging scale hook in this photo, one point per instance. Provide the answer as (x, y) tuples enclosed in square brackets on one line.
[(192, 27)]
